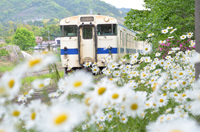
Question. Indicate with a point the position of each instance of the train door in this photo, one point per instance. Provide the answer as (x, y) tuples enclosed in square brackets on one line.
[(87, 44)]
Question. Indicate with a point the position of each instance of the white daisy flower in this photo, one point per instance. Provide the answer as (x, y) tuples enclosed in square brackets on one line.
[(38, 62), (146, 49), (33, 113), (180, 125), (95, 69), (40, 84), (116, 96), (169, 27), (171, 37), (109, 116), (189, 35), (87, 64), (14, 113), (173, 30), (134, 104), (10, 84), (62, 117), (123, 118), (54, 95), (116, 73), (150, 35), (183, 37), (164, 31), (162, 41), (80, 81), (158, 54)]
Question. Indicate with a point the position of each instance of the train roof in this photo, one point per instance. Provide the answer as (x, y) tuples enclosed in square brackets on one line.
[(127, 28), (98, 17)]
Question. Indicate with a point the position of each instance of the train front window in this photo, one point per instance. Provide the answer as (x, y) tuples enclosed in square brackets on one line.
[(87, 33), (106, 29), (70, 31)]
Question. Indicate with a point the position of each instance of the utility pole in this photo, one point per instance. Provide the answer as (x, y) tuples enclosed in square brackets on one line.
[(48, 41), (197, 34)]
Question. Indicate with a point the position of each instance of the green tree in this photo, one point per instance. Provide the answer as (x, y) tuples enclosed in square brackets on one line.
[(159, 15), (24, 38)]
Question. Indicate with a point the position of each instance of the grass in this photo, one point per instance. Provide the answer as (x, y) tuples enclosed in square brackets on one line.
[(6, 66), (4, 44)]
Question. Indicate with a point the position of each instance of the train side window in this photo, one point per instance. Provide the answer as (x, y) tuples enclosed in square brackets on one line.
[(126, 39), (70, 31), (87, 33), (106, 29), (121, 38)]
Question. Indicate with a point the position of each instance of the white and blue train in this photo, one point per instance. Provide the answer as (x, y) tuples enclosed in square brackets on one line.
[(85, 37)]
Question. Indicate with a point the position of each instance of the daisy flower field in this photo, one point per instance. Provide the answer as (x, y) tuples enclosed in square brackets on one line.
[(150, 92)]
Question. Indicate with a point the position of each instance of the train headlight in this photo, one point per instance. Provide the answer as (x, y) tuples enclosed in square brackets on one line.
[(67, 20), (106, 19)]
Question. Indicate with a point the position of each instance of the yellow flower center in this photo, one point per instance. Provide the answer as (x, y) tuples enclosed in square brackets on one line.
[(111, 79), (180, 73), (184, 83), (60, 119), (110, 116), (25, 93), (11, 83), (95, 69), (77, 84), (115, 96), (183, 95), (134, 106), (101, 90), (34, 62), (123, 119), (41, 85), (16, 113), (161, 100), (33, 115), (175, 94), (2, 131), (87, 101)]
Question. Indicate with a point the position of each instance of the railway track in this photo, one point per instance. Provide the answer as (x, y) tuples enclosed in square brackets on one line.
[(43, 72)]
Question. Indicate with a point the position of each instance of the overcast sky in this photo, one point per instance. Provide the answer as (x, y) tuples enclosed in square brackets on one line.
[(134, 4)]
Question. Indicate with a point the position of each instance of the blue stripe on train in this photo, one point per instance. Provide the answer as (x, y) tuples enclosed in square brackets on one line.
[(69, 51), (99, 51), (102, 51)]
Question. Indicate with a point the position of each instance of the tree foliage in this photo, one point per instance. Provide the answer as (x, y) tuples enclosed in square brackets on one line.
[(46, 9), (159, 15), (24, 39)]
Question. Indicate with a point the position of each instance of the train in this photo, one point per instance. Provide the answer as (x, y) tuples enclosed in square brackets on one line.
[(85, 38)]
